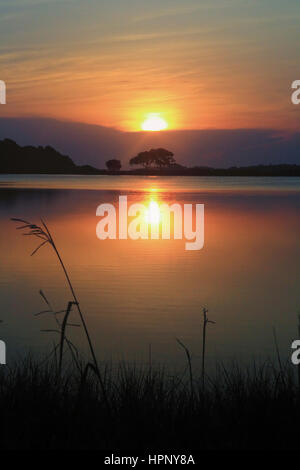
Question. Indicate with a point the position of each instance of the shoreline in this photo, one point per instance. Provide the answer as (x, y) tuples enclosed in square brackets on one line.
[(188, 172)]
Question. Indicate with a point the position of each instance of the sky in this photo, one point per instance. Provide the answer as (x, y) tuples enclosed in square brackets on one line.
[(214, 64), (83, 75)]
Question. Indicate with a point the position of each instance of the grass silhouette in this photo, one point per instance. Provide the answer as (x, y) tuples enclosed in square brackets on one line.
[(256, 408)]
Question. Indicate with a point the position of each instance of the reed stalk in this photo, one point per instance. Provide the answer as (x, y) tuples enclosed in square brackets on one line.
[(205, 322), (43, 233)]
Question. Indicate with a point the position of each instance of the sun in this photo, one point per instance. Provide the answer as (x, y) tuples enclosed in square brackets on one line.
[(154, 122)]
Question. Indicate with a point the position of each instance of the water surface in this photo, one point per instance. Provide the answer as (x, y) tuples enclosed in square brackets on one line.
[(137, 293)]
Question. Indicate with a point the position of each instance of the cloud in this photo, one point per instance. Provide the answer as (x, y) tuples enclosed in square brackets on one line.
[(180, 10), (29, 3)]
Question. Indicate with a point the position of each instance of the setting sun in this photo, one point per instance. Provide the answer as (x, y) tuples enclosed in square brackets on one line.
[(154, 123)]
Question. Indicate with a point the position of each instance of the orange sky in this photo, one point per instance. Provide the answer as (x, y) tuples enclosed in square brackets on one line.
[(221, 64)]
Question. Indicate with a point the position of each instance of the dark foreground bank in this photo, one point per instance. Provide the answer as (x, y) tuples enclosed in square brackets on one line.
[(146, 410)]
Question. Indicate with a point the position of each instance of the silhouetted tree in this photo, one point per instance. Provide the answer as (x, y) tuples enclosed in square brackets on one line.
[(29, 159), (113, 165), (159, 157)]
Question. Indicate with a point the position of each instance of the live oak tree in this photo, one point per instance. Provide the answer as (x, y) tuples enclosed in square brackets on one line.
[(155, 157), (113, 165)]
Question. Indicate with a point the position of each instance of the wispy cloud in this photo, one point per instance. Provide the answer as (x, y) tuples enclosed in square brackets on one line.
[(179, 10), (184, 10), (28, 3)]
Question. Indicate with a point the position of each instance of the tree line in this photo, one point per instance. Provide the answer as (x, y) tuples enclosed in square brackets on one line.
[(16, 159)]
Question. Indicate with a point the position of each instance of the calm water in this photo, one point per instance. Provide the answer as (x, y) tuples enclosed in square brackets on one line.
[(136, 293)]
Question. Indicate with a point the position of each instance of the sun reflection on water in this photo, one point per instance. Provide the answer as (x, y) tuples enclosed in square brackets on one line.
[(152, 213)]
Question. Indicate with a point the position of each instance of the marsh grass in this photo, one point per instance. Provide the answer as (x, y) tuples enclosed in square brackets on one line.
[(239, 409), (64, 402)]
